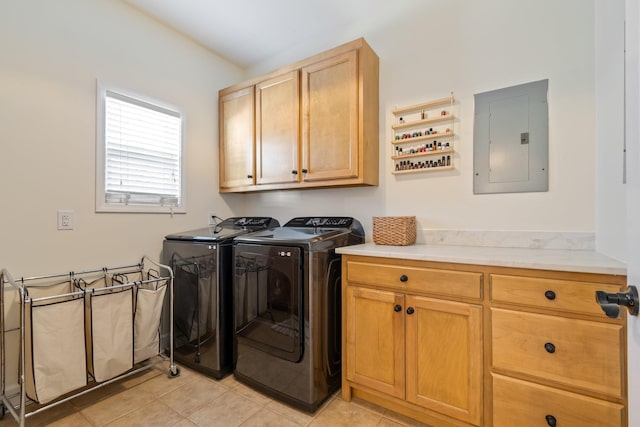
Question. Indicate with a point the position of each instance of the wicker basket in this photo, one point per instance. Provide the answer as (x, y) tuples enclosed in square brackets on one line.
[(394, 230)]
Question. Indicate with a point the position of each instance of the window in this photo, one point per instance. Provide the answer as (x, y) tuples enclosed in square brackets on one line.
[(139, 154)]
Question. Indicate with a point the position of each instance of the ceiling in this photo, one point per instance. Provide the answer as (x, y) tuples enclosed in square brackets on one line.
[(246, 32)]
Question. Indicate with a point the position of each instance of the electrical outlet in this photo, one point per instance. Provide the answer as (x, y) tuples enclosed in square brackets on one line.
[(65, 220), (212, 218)]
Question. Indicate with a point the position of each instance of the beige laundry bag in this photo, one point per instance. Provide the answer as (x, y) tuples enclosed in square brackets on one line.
[(149, 301), (55, 349), (109, 333)]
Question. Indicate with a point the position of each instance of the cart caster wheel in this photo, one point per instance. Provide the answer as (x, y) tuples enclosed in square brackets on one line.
[(175, 372)]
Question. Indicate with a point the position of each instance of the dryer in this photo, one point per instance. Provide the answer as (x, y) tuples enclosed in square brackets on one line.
[(201, 261), (287, 303)]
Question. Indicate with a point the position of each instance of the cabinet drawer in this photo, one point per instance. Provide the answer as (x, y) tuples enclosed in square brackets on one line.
[(524, 404), (430, 280), (564, 295), (579, 353)]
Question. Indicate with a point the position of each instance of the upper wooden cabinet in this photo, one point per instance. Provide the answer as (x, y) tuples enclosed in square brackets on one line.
[(237, 136), (277, 129), (313, 124)]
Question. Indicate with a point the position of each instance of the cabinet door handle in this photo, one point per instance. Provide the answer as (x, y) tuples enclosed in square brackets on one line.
[(550, 295), (249, 176), (410, 310), (551, 420), (294, 172), (404, 278), (550, 347), (304, 171), (397, 308)]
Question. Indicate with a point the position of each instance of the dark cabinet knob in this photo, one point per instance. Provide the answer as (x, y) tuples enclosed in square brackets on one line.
[(550, 347), (294, 172), (397, 308), (550, 295), (249, 176), (551, 420), (404, 278), (410, 310), (304, 171)]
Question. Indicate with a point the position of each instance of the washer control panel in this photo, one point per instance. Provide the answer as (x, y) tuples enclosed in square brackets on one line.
[(321, 221)]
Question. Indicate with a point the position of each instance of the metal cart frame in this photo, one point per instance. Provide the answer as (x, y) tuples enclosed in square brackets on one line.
[(17, 404)]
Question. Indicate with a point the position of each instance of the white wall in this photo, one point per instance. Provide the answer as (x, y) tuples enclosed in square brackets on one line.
[(471, 47), (52, 54), (609, 83)]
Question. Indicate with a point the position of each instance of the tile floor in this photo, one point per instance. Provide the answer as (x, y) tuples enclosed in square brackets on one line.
[(151, 398)]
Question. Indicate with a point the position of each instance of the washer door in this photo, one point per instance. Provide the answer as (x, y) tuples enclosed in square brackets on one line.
[(268, 299)]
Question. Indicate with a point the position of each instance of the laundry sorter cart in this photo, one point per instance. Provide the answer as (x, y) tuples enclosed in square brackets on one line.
[(79, 331)]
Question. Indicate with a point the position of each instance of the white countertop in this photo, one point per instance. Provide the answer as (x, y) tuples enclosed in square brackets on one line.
[(584, 261)]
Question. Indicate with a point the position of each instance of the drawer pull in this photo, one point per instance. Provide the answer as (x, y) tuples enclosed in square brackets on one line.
[(397, 308), (550, 347), (410, 310), (550, 295), (404, 278), (551, 420)]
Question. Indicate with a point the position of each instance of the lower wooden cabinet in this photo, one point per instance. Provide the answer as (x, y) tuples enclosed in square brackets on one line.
[(471, 345), (424, 352), (526, 404)]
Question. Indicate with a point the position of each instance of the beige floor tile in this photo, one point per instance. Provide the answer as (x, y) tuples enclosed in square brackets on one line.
[(162, 384), (74, 420), (296, 415), (141, 377), (96, 395), (115, 406), (153, 414), (268, 418), (386, 422), (251, 394), (229, 410), (193, 395), (51, 415), (340, 413)]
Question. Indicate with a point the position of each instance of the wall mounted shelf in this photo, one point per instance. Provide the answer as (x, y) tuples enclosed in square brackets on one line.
[(431, 125)]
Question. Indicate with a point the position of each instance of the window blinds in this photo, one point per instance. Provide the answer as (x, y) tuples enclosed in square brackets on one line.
[(142, 152)]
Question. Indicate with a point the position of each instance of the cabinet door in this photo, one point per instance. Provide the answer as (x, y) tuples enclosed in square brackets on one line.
[(278, 129), (444, 357), (237, 138), (375, 339), (330, 125)]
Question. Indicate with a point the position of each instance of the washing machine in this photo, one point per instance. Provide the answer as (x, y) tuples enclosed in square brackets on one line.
[(287, 304), (201, 261)]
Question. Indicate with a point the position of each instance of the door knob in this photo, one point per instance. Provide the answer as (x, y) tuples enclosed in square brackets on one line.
[(611, 302)]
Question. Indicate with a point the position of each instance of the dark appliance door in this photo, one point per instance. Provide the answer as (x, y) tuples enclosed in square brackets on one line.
[(268, 299)]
